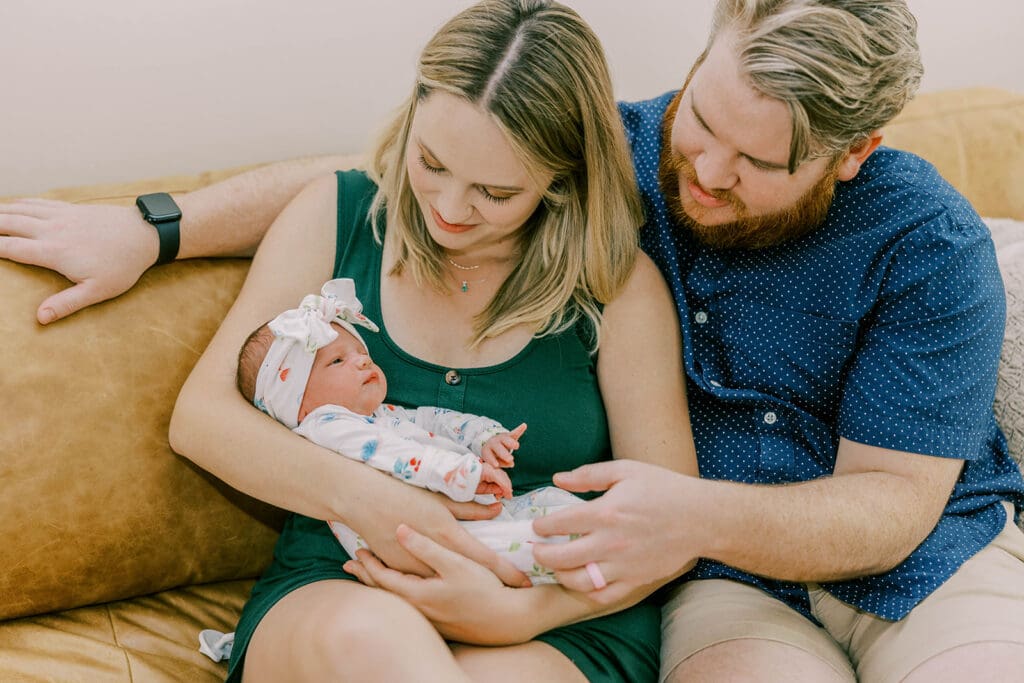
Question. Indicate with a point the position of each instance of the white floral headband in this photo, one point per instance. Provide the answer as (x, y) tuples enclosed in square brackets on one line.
[(298, 334)]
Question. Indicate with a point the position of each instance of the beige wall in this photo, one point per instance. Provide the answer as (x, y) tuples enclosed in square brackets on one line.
[(109, 90)]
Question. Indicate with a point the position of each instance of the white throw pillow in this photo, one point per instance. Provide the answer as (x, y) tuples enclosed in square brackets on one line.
[(1008, 236)]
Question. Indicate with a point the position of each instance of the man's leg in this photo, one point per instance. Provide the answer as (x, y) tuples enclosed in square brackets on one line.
[(720, 630), (971, 628)]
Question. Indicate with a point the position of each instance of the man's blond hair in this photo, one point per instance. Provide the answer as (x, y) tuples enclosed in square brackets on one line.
[(844, 68)]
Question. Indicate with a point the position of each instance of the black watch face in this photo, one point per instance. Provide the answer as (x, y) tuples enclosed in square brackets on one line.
[(159, 207)]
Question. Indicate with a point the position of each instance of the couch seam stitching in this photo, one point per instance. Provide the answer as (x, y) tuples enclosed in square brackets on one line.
[(117, 642)]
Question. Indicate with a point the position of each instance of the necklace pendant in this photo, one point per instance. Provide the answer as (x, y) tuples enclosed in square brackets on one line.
[(465, 286)]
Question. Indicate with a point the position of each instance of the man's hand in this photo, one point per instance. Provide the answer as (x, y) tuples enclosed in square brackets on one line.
[(636, 533), (103, 249)]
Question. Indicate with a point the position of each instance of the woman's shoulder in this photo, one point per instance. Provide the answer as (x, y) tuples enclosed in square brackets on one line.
[(643, 299), (645, 279), (356, 181), (352, 189)]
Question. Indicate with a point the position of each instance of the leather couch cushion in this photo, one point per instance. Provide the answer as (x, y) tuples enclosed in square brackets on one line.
[(96, 507), (975, 136), (152, 639)]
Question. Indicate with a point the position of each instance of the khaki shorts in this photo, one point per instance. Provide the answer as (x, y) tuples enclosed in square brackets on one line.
[(982, 602)]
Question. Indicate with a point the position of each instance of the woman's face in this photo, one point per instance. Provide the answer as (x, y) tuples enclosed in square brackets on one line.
[(474, 192)]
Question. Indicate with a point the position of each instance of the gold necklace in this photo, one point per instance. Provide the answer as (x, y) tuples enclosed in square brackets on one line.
[(464, 284), (460, 266)]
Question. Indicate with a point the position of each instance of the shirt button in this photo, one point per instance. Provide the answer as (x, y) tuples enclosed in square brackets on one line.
[(770, 418), (714, 383), (452, 378), (701, 317)]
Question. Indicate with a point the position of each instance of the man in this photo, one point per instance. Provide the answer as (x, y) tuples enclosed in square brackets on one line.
[(842, 317)]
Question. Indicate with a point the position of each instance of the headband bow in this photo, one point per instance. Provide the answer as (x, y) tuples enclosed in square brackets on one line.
[(298, 334)]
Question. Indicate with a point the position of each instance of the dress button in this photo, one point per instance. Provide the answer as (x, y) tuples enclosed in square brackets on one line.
[(701, 317), (770, 418), (452, 377), (714, 383)]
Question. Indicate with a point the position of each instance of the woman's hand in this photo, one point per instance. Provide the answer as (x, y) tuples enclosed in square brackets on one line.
[(80, 242), (463, 600), (437, 522)]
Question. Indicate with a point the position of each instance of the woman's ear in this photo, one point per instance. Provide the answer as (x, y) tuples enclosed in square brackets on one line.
[(858, 154)]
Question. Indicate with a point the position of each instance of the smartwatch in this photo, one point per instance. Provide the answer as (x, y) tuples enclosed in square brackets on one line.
[(160, 210)]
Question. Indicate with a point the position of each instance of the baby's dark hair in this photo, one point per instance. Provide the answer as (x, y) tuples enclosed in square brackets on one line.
[(250, 358)]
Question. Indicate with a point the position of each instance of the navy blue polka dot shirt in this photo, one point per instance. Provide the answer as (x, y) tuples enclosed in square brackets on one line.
[(883, 326)]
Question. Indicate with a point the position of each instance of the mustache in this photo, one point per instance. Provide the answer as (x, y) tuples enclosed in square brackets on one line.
[(679, 165)]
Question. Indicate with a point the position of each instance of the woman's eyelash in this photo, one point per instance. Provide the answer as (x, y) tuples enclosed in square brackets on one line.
[(491, 197), (425, 165), (439, 169)]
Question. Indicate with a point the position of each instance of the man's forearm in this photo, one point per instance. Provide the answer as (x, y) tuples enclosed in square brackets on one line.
[(229, 218), (823, 530)]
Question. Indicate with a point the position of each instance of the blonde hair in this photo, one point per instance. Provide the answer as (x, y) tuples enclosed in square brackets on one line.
[(539, 72), (844, 68)]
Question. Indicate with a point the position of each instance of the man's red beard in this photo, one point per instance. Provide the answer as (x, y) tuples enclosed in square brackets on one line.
[(746, 231)]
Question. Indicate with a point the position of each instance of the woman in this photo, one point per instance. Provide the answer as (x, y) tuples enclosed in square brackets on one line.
[(494, 241)]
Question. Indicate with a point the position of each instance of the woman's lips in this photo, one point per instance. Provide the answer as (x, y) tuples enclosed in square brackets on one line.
[(446, 226), (705, 199)]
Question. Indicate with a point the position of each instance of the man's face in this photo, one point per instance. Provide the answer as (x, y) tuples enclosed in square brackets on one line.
[(724, 165)]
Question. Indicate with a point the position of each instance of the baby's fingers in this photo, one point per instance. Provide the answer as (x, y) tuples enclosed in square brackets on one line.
[(487, 454), (504, 483)]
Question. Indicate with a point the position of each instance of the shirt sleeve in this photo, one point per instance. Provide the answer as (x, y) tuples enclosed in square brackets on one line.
[(923, 377), (456, 475), (471, 431)]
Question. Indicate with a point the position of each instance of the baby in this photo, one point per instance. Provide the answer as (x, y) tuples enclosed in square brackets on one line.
[(310, 369)]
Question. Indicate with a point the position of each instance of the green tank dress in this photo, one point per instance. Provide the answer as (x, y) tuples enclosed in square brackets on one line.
[(551, 385)]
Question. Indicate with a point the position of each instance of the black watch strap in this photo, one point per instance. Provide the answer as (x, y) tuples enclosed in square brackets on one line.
[(162, 212), (169, 233)]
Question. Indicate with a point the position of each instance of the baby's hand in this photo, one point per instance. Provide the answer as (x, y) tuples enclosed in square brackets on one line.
[(494, 481), (497, 450)]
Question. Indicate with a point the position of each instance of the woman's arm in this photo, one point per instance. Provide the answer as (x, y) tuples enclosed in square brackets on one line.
[(640, 368), (227, 218), (215, 427), (640, 372)]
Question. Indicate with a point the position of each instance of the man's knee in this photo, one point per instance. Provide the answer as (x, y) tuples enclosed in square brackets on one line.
[(752, 659), (989, 661), (720, 626)]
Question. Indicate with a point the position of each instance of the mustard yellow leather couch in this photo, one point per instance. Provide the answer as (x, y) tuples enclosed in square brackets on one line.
[(116, 552)]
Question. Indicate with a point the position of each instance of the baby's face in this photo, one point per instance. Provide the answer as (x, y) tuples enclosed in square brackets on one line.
[(344, 374)]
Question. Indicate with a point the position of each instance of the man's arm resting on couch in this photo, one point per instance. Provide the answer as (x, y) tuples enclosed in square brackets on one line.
[(228, 218)]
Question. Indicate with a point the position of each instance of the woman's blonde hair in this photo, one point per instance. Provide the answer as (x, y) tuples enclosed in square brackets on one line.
[(539, 72), (844, 68)]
